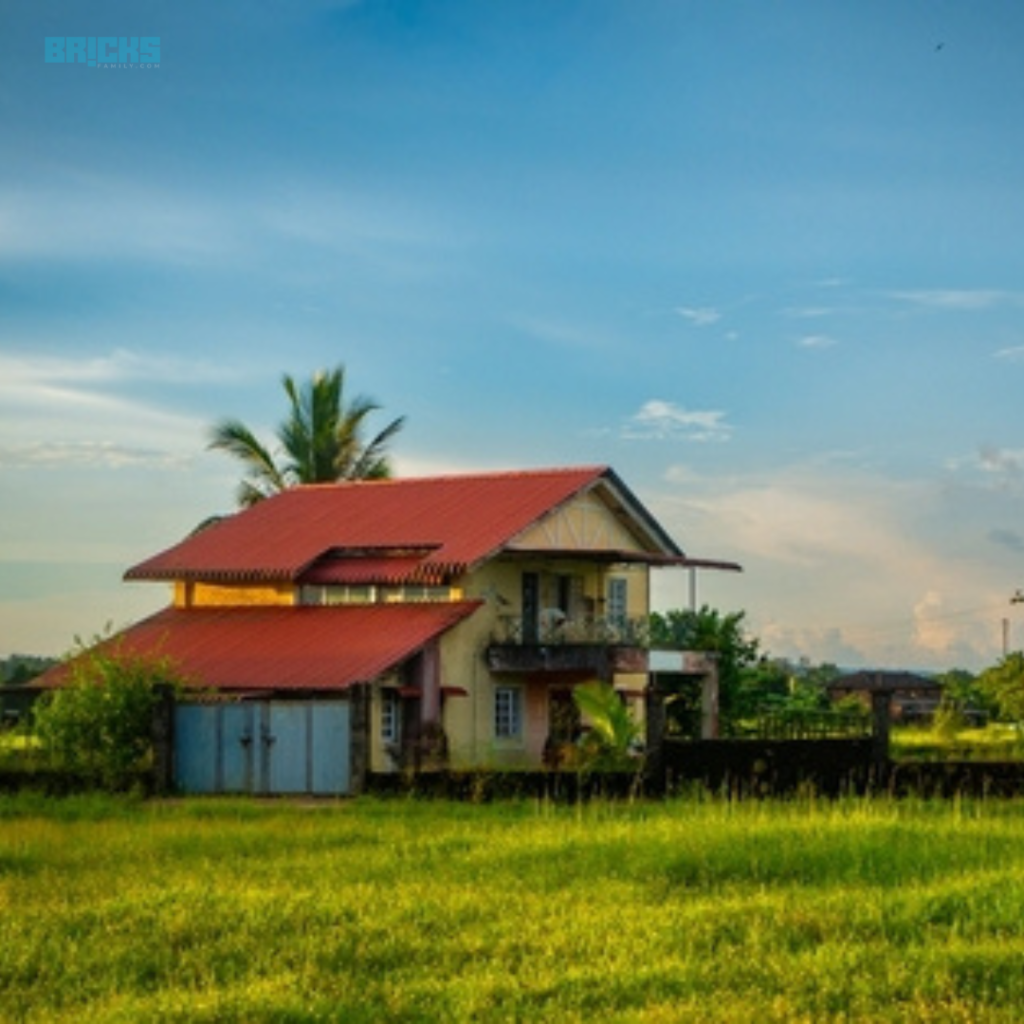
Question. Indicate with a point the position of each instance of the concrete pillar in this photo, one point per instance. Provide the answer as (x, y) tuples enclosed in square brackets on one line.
[(654, 721), (709, 719), (428, 670), (359, 744), (163, 741), (880, 725)]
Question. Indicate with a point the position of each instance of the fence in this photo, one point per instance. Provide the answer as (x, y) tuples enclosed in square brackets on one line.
[(763, 767)]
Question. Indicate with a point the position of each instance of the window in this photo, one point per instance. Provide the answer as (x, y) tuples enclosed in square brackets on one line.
[(334, 594), (390, 717), (508, 713), (617, 601), (410, 594)]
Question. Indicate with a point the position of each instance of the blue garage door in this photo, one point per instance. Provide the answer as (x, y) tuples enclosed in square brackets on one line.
[(274, 747), (330, 760)]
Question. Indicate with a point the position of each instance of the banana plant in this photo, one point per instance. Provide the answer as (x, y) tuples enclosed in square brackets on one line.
[(611, 738)]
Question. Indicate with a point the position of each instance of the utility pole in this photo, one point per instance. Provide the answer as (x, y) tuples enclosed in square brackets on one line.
[(1017, 598)]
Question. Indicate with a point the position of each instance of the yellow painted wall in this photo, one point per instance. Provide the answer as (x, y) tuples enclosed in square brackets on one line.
[(209, 595)]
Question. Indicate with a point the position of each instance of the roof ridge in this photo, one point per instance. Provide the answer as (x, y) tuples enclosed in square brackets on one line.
[(595, 469)]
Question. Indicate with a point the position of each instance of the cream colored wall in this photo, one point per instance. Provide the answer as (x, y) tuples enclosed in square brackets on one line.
[(469, 720), (380, 759), (584, 524)]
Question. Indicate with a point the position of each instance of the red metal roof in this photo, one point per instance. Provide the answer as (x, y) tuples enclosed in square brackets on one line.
[(457, 520), (361, 570), (289, 648)]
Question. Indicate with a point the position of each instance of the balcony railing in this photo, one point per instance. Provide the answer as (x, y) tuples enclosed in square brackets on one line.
[(596, 646), (554, 629)]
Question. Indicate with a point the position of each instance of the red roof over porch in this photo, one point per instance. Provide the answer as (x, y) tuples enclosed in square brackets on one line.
[(289, 648)]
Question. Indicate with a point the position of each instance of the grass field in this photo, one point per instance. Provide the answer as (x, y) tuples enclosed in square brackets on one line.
[(370, 910), (995, 742)]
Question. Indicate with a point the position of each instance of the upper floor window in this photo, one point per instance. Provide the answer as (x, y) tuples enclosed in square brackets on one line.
[(618, 601), (368, 593)]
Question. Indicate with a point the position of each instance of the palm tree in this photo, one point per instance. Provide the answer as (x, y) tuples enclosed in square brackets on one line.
[(321, 440)]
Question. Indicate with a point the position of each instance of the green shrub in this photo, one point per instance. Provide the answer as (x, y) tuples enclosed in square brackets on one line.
[(99, 725)]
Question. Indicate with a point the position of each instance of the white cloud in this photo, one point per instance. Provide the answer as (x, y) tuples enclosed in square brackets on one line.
[(990, 467), (87, 454), (1015, 354), (934, 629), (1000, 461), (657, 420), (79, 217), (564, 334), (84, 412), (703, 316), (957, 298), (808, 312), (817, 341), (119, 365), (844, 565), (108, 218)]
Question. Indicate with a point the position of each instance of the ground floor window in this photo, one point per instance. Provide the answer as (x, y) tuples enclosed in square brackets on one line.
[(390, 717), (508, 712)]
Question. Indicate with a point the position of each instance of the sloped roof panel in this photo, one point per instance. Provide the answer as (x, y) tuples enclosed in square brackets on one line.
[(461, 519), (289, 648), (361, 570)]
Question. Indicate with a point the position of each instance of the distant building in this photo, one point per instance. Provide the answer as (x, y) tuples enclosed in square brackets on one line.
[(913, 697)]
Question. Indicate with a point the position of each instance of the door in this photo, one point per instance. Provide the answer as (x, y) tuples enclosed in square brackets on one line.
[(213, 748), (276, 747), (196, 742), (531, 607), (286, 747), (237, 748), (330, 762)]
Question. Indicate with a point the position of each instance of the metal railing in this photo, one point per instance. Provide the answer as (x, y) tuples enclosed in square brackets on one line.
[(800, 724), (553, 629)]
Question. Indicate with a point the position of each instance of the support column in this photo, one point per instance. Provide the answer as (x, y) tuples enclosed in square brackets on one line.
[(709, 695), (163, 741), (429, 672), (880, 726), (654, 722)]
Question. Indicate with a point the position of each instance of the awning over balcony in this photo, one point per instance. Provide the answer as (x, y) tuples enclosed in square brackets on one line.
[(625, 557)]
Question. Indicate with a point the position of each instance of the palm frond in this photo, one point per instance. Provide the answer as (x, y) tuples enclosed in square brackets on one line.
[(321, 439), (262, 475)]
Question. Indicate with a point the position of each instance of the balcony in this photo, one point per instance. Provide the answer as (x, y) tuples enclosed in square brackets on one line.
[(592, 646)]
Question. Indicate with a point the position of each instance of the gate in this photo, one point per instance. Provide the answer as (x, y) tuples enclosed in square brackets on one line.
[(263, 747)]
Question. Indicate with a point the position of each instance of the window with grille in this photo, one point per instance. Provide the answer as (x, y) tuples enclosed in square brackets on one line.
[(617, 601), (508, 712), (390, 717)]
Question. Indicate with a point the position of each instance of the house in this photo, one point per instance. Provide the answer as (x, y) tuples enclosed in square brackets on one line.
[(370, 626), (910, 697)]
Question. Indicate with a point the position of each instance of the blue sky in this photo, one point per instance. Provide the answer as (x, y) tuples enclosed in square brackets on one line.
[(764, 259)]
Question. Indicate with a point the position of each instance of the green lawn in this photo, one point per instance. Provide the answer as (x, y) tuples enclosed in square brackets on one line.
[(370, 910), (995, 742)]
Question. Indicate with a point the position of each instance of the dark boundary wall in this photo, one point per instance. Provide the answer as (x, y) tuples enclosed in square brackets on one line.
[(753, 771), (831, 767), (484, 786), (957, 778)]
